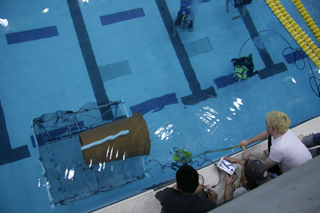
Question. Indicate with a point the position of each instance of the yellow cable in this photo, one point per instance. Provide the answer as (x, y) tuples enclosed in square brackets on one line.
[(242, 172)]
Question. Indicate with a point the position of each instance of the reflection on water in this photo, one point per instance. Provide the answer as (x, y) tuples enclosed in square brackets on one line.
[(211, 116), (291, 78), (69, 174), (164, 132), (4, 22), (238, 103), (45, 10)]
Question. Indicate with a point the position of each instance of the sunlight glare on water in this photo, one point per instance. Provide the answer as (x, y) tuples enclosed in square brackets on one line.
[(238, 103), (164, 132), (209, 117)]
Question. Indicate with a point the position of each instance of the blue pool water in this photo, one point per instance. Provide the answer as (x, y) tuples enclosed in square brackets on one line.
[(55, 58)]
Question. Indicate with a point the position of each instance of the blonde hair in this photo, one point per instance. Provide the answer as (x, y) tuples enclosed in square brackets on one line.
[(278, 120)]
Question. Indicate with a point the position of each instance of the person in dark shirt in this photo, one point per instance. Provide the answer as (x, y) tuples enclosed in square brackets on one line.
[(187, 195)]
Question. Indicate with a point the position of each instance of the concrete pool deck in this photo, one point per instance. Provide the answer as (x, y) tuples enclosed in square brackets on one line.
[(298, 190)]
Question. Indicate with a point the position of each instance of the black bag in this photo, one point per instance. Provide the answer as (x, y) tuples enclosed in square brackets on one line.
[(243, 2)]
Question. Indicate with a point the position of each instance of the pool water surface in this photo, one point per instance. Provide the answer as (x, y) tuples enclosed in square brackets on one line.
[(62, 55)]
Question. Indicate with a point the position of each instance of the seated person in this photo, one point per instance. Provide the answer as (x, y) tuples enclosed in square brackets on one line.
[(255, 174), (311, 141), (243, 68), (185, 17), (242, 4), (286, 150), (185, 195)]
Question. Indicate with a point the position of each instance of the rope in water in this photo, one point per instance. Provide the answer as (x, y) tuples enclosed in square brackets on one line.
[(217, 150)]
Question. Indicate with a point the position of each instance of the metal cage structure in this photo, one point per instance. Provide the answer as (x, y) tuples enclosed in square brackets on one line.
[(67, 176)]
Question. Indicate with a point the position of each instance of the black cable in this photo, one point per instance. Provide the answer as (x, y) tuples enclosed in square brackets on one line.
[(212, 187), (315, 79)]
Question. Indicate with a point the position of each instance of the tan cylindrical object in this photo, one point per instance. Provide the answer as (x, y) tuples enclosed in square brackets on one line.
[(136, 143)]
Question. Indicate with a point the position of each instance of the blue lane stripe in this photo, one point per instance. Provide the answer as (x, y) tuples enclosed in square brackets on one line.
[(293, 57), (31, 35), (121, 16), (224, 81), (155, 104)]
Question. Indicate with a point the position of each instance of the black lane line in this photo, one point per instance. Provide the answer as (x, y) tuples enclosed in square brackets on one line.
[(89, 58), (271, 68), (197, 93), (7, 154)]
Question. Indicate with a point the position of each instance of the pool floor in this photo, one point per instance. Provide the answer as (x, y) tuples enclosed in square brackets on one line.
[(62, 55)]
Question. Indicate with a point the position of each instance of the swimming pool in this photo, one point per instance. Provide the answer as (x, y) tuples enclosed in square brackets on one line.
[(57, 72)]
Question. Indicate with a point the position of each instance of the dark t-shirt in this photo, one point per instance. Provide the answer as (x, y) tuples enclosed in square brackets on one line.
[(174, 201)]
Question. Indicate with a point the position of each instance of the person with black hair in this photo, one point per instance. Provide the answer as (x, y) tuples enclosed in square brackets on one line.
[(187, 195), (255, 174), (243, 68), (242, 4)]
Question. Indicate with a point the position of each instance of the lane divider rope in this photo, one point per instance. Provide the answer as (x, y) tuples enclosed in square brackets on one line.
[(307, 17), (300, 36)]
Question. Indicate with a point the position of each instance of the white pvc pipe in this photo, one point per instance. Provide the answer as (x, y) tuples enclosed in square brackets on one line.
[(110, 137)]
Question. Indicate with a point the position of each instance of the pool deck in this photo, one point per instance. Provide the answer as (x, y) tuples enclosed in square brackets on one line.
[(298, 190)]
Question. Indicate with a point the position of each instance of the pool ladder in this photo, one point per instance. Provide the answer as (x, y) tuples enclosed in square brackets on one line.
[(305, 42)]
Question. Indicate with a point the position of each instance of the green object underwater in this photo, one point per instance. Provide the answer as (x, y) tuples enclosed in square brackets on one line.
[(182, 156)]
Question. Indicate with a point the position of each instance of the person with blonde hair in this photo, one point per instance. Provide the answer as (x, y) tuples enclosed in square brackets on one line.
[(284, 148)]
